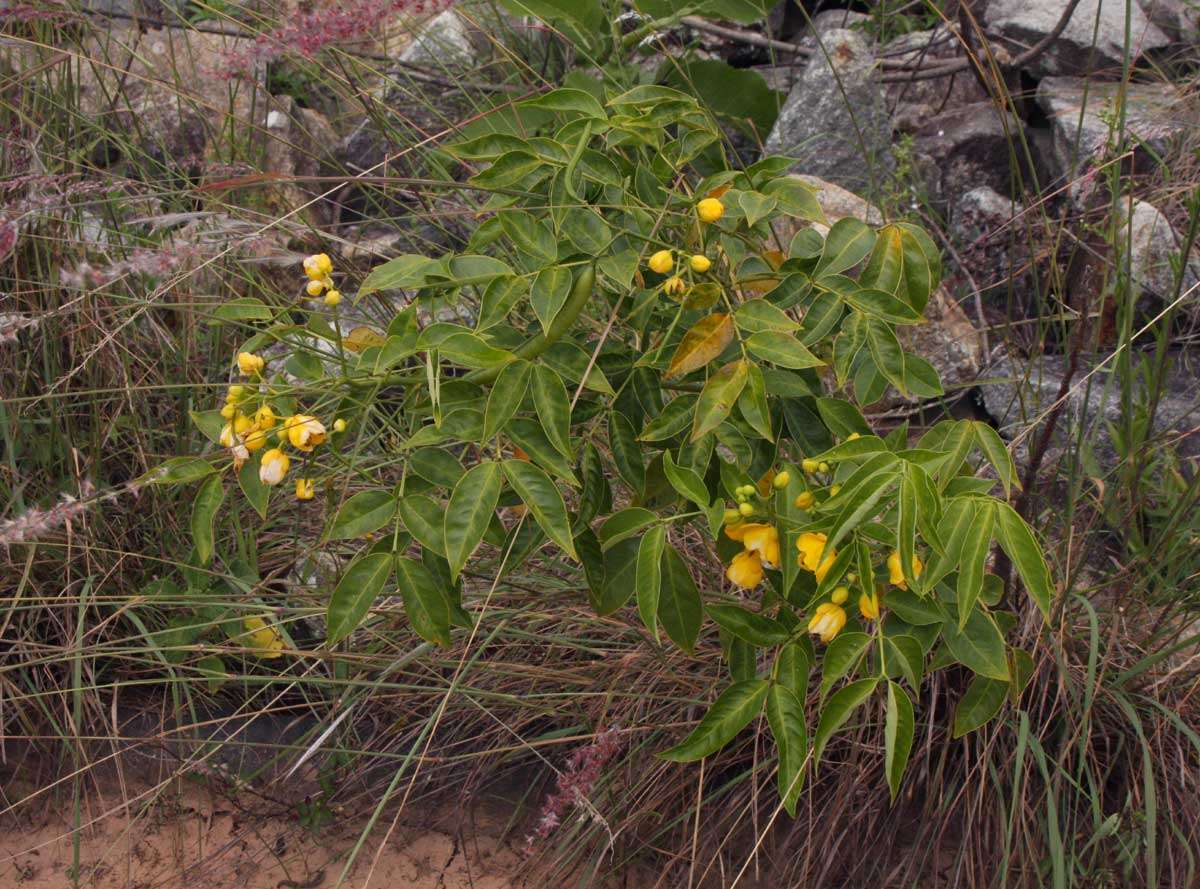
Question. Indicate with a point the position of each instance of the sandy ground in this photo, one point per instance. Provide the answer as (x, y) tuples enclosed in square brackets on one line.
[(189, 836)]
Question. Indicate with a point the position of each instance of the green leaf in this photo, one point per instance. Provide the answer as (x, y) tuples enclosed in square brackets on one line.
[(757, 629), (904, 652), (922, 264), (841, 656), (530, 437), (755, 205), (530, 235), (212, 668), (620, 577), (680, 610), (782, 349), (685, 481), (898, 729), (587, 230), (796, 198), (571, 362), (718, 397), (842, 418), (553, 407), (758, 315), (405, 272), (423, 518), (753, 403), (880, 305), (625, 523), (979, 646), (363, 513), (626, 452), (859, 503), (257, 494), (1019, 544), (544, 500), (436, 466), (728, 715), (975, 546), (505, 397), (549, 293), (469, 350), (997, 454), (355, 593), (471, 507), (848, 243), (914, 610), (888, 354), (204, 510), (426, 602), (982, 701), (785, 715), (675, 417), (179, 471), (838, 710), (739, 93), (568, 101), (244, 308), (793, 663), (498, 300), (648, 577)]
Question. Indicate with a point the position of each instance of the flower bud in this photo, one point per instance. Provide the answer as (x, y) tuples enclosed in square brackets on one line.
[(804, 500), (781, 480), (661, 262), (710, 210), (700, 263)]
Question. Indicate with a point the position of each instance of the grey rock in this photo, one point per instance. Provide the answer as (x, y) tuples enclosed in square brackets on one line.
[(1154, 255), (1178, 19), (834, 19), (444, 41), (968, 147), (835, 120), (1083, 113), (990, 239), (1094, 38), (914, 103), (1021, 390)]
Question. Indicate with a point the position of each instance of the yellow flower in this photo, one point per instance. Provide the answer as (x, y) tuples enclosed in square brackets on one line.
[(674, 286), (763, 540), (275, 464), (661, 262), (318, 266), (242, 424), (868, 606), (229, 411), (332, 298), (305, 490), (339, 425), (314, 288), (827, 622), (804, 500), (700, 263), (710, 210), (255, 439), (305, 432), (745, 570), (250, 364), (839, 596), (737, 530), (809, 465), (896, 571), (265, 639), (227, 439), (810, 545), (264, 417)]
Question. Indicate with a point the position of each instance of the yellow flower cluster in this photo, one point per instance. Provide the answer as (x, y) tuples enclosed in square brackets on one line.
[(303, 433), (319, 269), (761, 550)]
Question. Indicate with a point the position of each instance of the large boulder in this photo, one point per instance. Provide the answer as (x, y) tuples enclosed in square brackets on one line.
[(1154, 255), (913, 103), (1093, 39), (968, 147), (1178, 19), (1020, 391), (835, 119), (1082, 116)]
